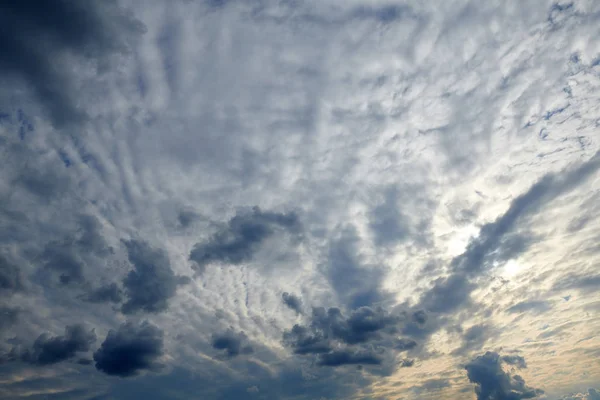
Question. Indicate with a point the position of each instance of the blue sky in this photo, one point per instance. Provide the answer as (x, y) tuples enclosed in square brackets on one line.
[(358, 199)]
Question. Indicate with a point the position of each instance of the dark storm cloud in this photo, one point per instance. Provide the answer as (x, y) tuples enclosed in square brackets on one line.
[(10, 277), (355, 284), (492, 383), (130, 350), (37, 35), (534, 306), (51, 350), (152, 282), (231, 343), (243, 235), (452, 292), (109, 293), (292, 301)]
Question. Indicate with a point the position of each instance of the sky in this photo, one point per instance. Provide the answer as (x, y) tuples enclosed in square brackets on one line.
[(299, 199)]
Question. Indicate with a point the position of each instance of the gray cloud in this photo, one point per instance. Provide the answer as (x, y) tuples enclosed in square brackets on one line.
[(130, 350), (517, 361), (10, 277), (243, 235), (8, 317), (474, 338), (450, 293), (152, 282), (535, 306), (232, 343), (355, 284), (492, 383), (366, 336), (292, 301), (35, 44), (109, 293), (338, 358), (48, 349)]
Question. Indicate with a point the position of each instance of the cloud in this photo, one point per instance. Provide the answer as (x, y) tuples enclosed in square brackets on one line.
[(431, 385), (48, 349), (474, 338), (130, 350), (535, 306), (493, 383), (36, 46), (338, 358), (10, 277), (450, 293), (517, 361), (292, 301), (152, 282), (366, 336), (355, 284), (243, 235), (108, 293), (8, 317), (233, 344)]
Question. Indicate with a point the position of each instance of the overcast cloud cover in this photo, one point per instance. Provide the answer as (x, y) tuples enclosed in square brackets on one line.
[(357, 199)]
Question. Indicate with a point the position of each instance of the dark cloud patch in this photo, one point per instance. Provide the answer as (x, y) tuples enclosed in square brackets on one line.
[(152, 282), (238, 241), (492, 383), (130, 350), (109, 293), (534, 306), (366, 336), (355, 284), (10, 277), (517, 361), (496, 240), (48, 350), (38, 36), (231, 343), (420, 317), (406, 363), (292, 301), (348, 357)]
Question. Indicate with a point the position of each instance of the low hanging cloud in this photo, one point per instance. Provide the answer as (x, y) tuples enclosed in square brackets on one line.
[(152, 282), (493, 383), (36, 41), (238, 241), (130, 350), (48, 349)]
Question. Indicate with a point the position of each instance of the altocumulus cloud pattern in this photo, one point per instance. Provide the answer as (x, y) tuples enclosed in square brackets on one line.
[(332, 199)]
